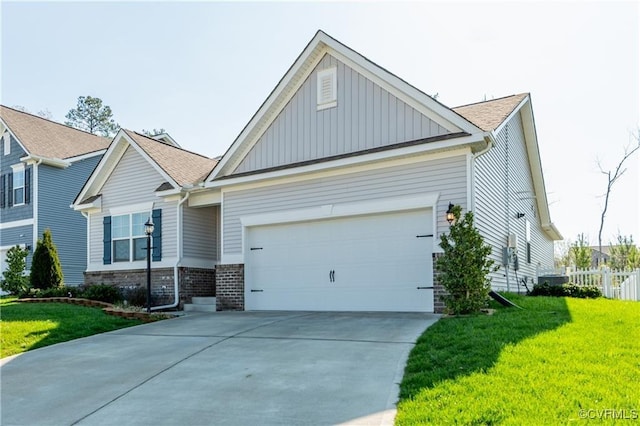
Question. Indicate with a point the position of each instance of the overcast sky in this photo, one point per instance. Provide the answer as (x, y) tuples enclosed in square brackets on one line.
[(200, 70)]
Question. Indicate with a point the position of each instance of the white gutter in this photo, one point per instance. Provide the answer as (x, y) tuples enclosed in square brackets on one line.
[(55, 162), (176, 286)]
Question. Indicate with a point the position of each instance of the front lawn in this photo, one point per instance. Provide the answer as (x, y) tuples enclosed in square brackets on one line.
[(26, 326), (559, 360)]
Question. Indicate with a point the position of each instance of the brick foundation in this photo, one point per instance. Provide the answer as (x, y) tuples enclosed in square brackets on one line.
[(230, 287), (192, 282), (438, 289)]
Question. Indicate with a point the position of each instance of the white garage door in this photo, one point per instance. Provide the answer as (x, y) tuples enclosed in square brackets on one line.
[(377, 262)]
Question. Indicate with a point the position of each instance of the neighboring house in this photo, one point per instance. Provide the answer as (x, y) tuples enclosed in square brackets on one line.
[(43, 165), (334, 195), (140, 178)]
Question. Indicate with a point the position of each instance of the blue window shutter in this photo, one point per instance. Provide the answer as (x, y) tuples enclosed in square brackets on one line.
[(156, 217), (106, 239), (10, 189), (27, 185), (3, 191)]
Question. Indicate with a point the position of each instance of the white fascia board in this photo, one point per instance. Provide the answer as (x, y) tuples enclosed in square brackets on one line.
[(515, 111), (16, 223), (54, 162), (463, 143), (535, 166), (306, 61), (155, 165), (103, 170), (205, 198), (93, 207), (85, 156)]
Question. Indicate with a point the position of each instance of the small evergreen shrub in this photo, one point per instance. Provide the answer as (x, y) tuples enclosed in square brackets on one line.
[(14, 281), (135, 296), (102, 292), (566, 290), (46, 271)]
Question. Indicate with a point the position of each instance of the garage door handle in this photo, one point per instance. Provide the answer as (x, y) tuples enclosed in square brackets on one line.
[(424, 288), (332, 276), (424, 236), (256, 291)]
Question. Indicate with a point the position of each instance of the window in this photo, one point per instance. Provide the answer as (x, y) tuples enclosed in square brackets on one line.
[(128, 238), (18, 185), (7, 143), (327, 88)]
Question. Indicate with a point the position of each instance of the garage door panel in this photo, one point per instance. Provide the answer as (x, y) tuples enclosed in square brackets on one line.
[(378, 264)]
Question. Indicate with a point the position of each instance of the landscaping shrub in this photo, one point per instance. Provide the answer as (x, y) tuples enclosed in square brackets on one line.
[(135, 296), (46, 271), (14, 281), (102, 292), (566, 290)]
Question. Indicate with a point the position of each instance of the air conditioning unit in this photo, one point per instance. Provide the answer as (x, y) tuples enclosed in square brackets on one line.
[(512, 240)]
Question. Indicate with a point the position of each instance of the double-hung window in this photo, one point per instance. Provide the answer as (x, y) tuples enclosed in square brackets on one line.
[(18, 184), (129, 241)]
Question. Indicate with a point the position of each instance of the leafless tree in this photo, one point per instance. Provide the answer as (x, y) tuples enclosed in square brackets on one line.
[(612, 178)]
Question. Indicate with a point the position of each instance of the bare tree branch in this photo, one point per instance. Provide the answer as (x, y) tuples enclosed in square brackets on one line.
[(611, 180)]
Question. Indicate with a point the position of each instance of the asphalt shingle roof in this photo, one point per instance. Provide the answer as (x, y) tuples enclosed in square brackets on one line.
[(488, 115), (46, 138), (185, 167)]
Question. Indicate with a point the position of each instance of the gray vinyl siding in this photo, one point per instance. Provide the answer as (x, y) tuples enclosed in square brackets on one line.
[(200, 233), (21, 212), (18, 236), (447, 176), (57, 190), (133, 181), (503, 188), (366, 116)]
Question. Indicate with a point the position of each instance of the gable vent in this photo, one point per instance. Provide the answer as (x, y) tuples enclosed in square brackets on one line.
[(327, 88)]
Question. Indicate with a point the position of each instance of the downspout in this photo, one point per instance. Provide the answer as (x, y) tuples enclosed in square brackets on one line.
[(176, 282), (35, 185), (86, 216)]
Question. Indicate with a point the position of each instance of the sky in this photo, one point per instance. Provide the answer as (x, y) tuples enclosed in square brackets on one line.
[(201, 70)]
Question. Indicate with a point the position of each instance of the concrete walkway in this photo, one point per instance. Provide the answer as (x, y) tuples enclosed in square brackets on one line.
[(226, 368)]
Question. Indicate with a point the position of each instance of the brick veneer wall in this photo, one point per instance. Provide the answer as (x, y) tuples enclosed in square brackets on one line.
[(438, 289), (230, 287), (192, 282)]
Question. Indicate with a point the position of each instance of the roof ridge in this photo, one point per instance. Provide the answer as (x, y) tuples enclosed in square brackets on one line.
[(169, 145), (51, 121), (490, 100)]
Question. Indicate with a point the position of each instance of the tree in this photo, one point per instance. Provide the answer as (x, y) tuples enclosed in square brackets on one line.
[(624, 255), (562, 253), (93, 117), (465, 266), (44, 113), (46, 271), (612, 178), (15, 281), (154, 132), (581, 252)]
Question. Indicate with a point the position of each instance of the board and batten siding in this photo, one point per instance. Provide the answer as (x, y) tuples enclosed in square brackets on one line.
[(200, 233), (366, 116), (504, 187), (447, 176), (57, 191), (133, 181)]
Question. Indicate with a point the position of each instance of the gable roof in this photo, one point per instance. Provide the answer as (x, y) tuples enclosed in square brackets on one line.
[(184, 167), (303, 66), (489, 115), (179, 167), (48, 139)]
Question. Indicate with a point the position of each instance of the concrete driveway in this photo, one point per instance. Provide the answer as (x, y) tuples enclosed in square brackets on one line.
[(227, 368)]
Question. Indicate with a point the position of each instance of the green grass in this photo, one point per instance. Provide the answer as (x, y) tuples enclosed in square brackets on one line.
[(540, 365), (26, 326)]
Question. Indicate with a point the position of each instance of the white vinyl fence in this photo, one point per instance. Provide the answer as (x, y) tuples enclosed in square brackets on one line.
[(624, 285)]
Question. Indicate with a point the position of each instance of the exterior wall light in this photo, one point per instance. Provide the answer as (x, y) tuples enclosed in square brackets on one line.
[(450, 216)]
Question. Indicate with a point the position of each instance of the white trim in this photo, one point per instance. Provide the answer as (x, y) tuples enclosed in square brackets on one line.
[(131, 208), (193, 262), (18, 167), (205, 198), (23, 246), (34, 201), (16, 223), (85, 156), (125, 266), (333, 211), (6, 139), (54, 162), (337, 168)]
